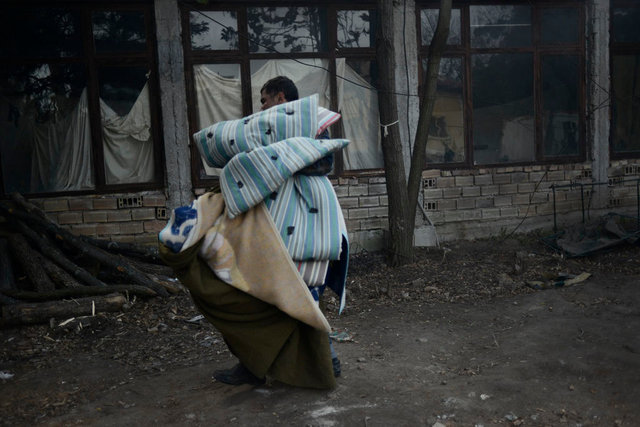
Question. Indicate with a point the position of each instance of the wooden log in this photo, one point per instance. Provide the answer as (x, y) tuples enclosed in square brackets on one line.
[(58, 257), (35, 215), (60, 277), (4, 300), (82, 291), (7, 280), (150, 268), (148, 254), (172, 285), (31, 263), (41, 312), (163, 275)]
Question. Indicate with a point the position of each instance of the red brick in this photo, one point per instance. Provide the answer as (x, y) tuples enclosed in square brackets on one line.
[(77, 204), (131, 228), (153, 201), (69, 218), (95, 216), (102, 203), (119, 216), (107, 229), (84, 229), (143, 213), (154, 226), (56, 205)]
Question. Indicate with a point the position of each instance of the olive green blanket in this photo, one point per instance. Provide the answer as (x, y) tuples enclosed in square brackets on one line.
[(242, 279), (264, 338)]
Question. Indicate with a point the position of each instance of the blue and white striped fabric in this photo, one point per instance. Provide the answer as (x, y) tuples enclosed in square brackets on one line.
[(218, 143), (306, 211), (251, 177), (261, 157)]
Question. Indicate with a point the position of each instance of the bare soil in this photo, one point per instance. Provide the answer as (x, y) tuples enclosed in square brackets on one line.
[(456, 338)]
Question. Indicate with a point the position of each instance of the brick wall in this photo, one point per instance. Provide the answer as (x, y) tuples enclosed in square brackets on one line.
[(460, 203), (471, 203), (135, 218)]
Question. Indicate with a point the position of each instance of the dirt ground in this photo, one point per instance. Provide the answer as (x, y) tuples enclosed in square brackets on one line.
[(457, 338)]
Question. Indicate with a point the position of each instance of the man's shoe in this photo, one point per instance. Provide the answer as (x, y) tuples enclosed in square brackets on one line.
[(237, 375), (336, 367)]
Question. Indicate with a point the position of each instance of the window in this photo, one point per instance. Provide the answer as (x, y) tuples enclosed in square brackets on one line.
[(326, 50), (76, 90), (625, 79), (509, 89)]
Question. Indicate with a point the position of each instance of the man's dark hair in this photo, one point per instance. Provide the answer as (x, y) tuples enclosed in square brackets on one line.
[(281, 84)]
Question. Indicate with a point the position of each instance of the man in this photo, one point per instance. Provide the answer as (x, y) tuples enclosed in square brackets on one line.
[(257, 252), (233, 247), (276, 91)]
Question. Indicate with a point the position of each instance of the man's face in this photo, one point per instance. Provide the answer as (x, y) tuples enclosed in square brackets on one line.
[(269, 101)]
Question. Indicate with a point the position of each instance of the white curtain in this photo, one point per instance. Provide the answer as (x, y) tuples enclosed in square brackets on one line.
[(60, 147), (75, 170), (358, 103), (220, 99), (128, 148)]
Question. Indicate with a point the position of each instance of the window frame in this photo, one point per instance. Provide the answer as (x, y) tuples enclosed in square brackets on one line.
[(629, 48), (537, 50), (243, 57), (92, 61)]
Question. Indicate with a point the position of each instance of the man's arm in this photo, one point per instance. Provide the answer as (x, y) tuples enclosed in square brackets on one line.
[(324, 166)]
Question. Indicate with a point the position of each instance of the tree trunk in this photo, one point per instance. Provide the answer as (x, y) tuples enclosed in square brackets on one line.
[(58, 257), (403, 193), (400, 250), (60, 277), (31, 313), (427, 102), (7, 280), (35, 215), (31, 263), (148, 254)]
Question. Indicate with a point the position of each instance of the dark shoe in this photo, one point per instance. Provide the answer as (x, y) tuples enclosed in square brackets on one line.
[(336, 367), (237, 375)]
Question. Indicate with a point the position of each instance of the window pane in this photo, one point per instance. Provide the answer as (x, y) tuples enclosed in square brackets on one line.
[(503, 123), (625, 24), (40, 32), (218, 97), (559, 25), (360, 117), (356, 28), (429, 22), (446, 132), (287, 29), (126, 125), (214, 30), (46, 139), (500, 26), (560, 105), (119, 31), (626, 108)]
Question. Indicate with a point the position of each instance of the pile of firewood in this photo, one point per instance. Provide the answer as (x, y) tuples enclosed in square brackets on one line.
[(47, 272)]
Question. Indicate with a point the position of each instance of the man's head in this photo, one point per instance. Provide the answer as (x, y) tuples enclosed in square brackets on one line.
[(277, 91)]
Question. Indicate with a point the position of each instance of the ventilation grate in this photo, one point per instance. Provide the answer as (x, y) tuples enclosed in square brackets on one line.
[(129, 202)]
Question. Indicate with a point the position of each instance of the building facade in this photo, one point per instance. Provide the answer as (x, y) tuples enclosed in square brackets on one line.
[(537, 115)]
